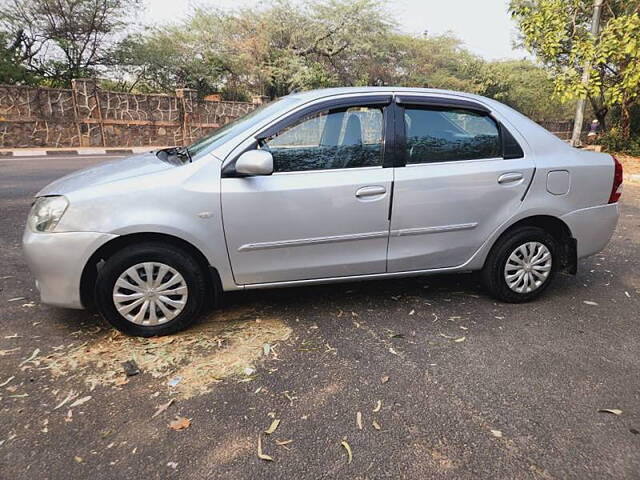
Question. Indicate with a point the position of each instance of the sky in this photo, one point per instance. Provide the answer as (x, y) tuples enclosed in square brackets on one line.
[(483, 25)]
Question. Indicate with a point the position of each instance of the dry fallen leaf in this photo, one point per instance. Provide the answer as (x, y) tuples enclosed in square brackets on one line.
[(459, 340), (589, 302), (359, 420), (6, 382), (70, 396), (384, 379), (376, 425), (261, 455), (348, 449), (180, 423), (32, 357), (283, 442), (121, 381), (80, 401), (496, 433), (162, 408), (614, 411), (378, 406), (272, 428)]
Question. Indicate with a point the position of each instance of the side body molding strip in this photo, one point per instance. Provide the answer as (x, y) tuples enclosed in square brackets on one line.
[(358, 236), (312, 241), (427, 230)]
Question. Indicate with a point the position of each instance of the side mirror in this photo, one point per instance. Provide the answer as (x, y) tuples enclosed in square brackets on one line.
[(255, 162)]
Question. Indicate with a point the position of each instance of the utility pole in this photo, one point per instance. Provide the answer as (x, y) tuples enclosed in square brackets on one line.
[(595, 30)]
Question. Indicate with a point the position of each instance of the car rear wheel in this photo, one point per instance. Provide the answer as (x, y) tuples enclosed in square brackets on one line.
[(151, 289), (521, 265)]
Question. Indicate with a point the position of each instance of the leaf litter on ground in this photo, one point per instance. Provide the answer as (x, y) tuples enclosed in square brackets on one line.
[(261, 455), (80, 401), (6, 382), (180, 423), (613, 411), (217, 348), (272, 428), (347, 447), (31, 358), (162, 408)]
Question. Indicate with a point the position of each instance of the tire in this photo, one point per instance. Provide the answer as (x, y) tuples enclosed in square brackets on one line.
[(534, 240), (168, 310)]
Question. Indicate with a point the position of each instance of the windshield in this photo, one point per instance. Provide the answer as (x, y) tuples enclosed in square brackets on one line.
[(239, 125)]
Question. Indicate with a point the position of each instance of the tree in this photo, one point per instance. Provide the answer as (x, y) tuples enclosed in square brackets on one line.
[(284, 46), (558, 33), (64, 39), (525, 86), (11, 69)]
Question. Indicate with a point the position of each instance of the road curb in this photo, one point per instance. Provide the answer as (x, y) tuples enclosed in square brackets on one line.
[(75, 151)]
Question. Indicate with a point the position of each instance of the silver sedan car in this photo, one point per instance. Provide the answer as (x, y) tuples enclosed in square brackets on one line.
[(323, 186)]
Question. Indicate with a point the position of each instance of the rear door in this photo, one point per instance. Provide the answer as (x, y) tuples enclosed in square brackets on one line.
[(464, 175), (325, 210)]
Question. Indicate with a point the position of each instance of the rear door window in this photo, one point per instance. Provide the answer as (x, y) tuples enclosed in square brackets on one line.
[(444, 135)]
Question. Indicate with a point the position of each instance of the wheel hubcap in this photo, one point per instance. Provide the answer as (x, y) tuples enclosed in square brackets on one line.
[(528, 267), (150, 293)]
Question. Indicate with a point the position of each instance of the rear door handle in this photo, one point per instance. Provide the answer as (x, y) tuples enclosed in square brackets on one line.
[(371, 191), (510, 178)]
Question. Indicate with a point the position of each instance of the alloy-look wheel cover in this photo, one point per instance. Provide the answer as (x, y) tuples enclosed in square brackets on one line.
[(528, 267), (150, 293)]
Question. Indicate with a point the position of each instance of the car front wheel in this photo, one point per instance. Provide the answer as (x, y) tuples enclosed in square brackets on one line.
[(521, 265), (151, 289)]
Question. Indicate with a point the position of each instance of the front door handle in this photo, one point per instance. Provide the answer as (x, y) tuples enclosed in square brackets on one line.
[(371, 191), (510, 178)]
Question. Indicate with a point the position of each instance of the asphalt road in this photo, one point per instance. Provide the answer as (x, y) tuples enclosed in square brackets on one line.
[(517, 397)]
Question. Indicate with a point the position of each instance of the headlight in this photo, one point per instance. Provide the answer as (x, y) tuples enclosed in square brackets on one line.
[(46, 213)]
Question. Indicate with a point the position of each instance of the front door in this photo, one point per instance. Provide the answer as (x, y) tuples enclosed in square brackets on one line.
[(457, 187), (325, 210)]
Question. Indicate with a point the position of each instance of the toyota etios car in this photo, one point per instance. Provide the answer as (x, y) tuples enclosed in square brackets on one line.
[(317, 187)]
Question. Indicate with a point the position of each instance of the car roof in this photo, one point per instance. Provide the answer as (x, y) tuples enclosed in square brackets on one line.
[(329, 92)]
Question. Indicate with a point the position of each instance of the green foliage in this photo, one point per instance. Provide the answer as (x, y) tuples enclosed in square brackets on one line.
[(287, 46), (11, 69), (526, 87), (558, 33), (614, 142), (64, 39)]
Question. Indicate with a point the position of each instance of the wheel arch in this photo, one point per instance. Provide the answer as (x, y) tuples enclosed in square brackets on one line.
[(90, 270), (558, 229)]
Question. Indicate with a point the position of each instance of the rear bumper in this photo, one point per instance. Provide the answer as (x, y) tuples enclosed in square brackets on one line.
[(592, 227), (57, 261)]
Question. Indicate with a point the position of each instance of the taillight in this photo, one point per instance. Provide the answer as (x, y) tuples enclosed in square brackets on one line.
[(616, 190)]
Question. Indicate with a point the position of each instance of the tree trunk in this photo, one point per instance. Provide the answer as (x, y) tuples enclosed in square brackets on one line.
[(625, 119), (600, 111), (601, 116)]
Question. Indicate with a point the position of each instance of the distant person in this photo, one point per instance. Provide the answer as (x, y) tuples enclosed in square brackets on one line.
[(594, 130)]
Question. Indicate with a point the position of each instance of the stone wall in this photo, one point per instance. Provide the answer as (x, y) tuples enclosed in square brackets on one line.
[(87, 116)]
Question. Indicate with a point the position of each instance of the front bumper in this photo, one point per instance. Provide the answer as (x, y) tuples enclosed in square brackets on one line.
[(57, 261), (592, 227)]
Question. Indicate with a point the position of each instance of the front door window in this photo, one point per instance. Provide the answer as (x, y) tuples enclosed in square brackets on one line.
[(332, 139)]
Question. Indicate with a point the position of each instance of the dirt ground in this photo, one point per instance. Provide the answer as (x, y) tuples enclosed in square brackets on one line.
[(631, 166)]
